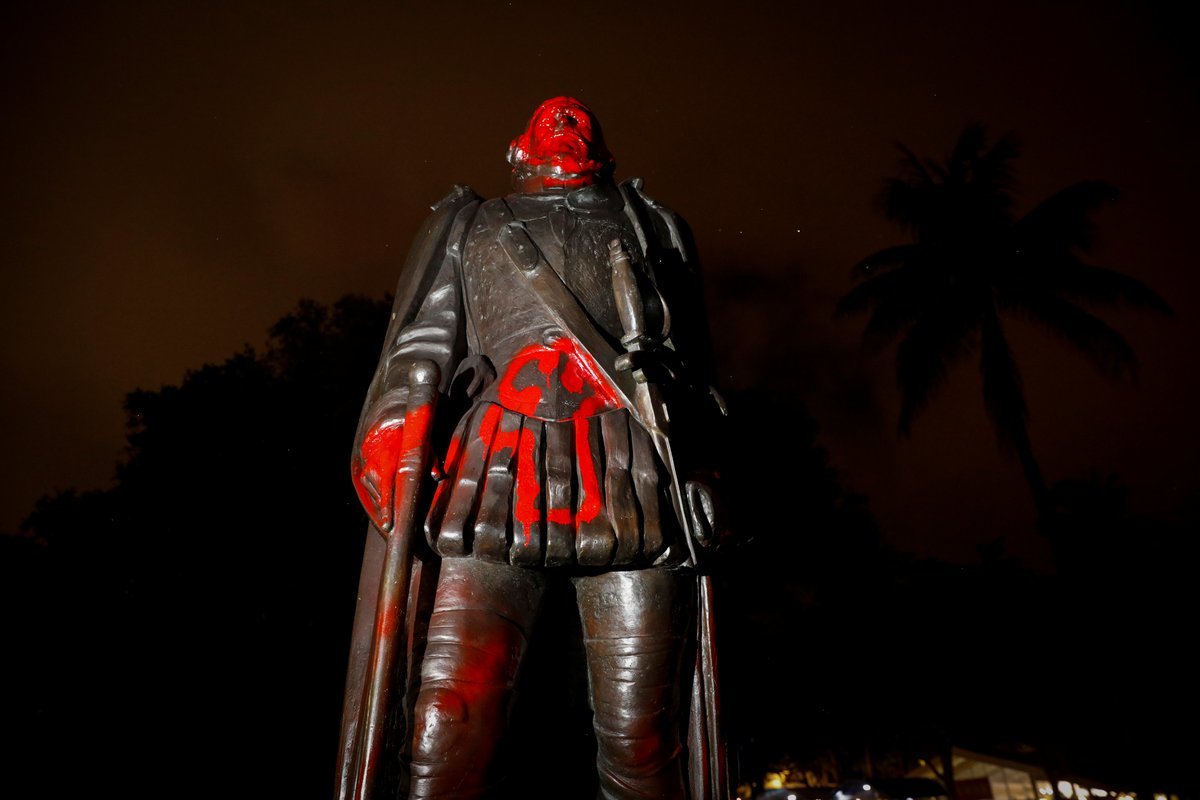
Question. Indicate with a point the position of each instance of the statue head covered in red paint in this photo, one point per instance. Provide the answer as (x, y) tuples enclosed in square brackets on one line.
[(561, 149)]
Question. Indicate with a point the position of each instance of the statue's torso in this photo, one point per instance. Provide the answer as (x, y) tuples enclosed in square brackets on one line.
[(540, 371), (549, 467)]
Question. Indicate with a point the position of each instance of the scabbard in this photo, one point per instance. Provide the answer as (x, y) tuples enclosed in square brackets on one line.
[(360, 653), (707, 765), (383, 675)]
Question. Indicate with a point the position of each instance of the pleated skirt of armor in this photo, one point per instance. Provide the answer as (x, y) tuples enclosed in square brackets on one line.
[(589, 491)]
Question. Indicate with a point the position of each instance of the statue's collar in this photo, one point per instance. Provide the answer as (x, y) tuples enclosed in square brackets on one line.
[(597, 197), (603, 196)]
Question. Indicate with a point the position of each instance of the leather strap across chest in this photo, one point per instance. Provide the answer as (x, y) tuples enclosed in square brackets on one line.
[(547, 286)]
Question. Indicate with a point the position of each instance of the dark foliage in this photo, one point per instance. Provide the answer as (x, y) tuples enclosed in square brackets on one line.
[(202, 605)]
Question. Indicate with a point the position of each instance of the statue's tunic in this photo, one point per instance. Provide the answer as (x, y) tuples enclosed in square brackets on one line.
[(548, 467)]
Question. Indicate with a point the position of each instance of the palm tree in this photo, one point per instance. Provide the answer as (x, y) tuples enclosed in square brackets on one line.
[(970, 263)]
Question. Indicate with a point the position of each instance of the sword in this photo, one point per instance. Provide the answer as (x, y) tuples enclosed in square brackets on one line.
[(707, 748), (384, 665), (647, 396)]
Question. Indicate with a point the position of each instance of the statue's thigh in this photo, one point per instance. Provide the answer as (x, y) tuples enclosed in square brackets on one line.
[(479, 628), (476, 639), (635, 628)]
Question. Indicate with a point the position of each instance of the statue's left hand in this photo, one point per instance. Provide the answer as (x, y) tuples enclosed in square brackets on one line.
[(704, 514)]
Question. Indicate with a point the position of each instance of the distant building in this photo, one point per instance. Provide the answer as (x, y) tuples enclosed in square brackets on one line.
[(978, 776)]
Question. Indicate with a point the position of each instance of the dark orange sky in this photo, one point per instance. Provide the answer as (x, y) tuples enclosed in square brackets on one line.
[(178, 177)]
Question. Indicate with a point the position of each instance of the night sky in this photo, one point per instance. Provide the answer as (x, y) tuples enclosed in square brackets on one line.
[(177, 176)]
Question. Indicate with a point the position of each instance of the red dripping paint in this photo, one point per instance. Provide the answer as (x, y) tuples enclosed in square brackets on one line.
[(526, 510), (589, 481), (489, 429), (577, 373)]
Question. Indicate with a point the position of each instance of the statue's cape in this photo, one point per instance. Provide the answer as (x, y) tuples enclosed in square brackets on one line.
[(425, 257)]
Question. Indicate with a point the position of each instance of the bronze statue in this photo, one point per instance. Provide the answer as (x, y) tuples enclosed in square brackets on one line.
[(546, 350)]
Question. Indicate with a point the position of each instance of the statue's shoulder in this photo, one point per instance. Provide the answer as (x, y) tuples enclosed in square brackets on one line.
[(460, 195), (439, 225), (495, 210), (448, 222), (637, 188), (670, 228)]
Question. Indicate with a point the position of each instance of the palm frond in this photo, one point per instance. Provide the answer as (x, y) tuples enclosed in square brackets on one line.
[(888, 321), (1091, 336), (990, 188), (917, 167), (887, 259), (1003, 395), (1076, 280), (966, 152), (925, 355), (906, 199), (887, 287), (905, 203), (994, 168), (1064, 220)]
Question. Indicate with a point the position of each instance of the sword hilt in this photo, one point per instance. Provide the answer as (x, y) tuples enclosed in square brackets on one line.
[(629, 298)]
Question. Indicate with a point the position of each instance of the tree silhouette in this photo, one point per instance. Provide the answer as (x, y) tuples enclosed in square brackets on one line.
[(972, 261), (199, 609), (213, 585)]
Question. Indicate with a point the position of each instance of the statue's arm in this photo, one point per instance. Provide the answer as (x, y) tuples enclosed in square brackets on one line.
[(427, 324), (676, 278), (689, 336), (697, 404)]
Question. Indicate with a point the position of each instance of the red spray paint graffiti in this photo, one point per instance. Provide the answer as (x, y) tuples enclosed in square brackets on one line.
[(578, 374)]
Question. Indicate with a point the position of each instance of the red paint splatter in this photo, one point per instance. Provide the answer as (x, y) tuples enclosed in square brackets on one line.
[(562, 147), (416, 426), (526, 510), (380, 451), (577, 373), (589, 502), (489, 429)]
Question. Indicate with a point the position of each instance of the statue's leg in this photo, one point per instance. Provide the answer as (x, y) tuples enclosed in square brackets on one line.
[(481, 618), (635, 628)]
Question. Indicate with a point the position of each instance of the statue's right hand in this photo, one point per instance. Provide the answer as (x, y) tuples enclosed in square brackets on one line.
[(374, 467)]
